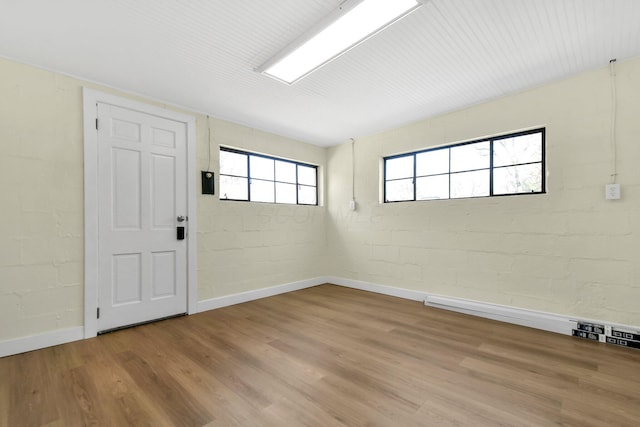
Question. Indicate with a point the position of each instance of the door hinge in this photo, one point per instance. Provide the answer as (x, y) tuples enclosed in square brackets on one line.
[(98, 313), (96, 123)]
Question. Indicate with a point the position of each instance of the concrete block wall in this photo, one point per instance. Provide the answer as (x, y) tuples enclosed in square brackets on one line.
[(242, 246), (247, 246), (41, 181), (569, 251)]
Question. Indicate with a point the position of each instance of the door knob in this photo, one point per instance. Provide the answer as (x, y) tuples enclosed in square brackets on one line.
[(181, 218)]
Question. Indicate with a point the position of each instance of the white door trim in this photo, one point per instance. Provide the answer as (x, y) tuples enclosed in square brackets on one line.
[(90, 98)]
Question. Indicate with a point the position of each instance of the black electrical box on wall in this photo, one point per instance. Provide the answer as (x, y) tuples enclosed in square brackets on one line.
[(207, 182)]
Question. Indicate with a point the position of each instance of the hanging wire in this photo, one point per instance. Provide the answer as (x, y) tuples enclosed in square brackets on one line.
[(612, 124), (353, 169)]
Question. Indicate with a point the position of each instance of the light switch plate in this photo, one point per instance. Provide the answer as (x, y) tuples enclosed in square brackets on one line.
[(612, 191)]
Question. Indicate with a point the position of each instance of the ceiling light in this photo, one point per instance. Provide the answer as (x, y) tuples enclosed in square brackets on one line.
[(349, 25)]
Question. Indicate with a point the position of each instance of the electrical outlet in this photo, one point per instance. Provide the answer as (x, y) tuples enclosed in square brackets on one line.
[(612, 191)]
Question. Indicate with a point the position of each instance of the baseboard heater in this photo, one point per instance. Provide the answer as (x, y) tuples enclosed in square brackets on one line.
[(518, 316), (620, 335)]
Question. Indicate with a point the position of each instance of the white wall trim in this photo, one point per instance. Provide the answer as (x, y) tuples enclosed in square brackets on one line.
[(552, 322), (36, 342), (227, 300), (546, 321), (379, 289), (519, 316), (192, 212), (89, 115), (91, 98)]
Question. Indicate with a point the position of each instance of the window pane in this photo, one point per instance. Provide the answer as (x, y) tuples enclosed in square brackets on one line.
[(399, 190), (262, 191), (307, 175), (233, 188), (262, 178), (520, 149), (307, 195), (470, 156), (432, 162), (285, 172), (432, 187), (518, 179), (261, 168), (285, 193), (470, 184), (399, 167), (233, 163)]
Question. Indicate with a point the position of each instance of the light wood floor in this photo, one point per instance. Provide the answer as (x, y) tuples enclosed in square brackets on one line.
[(325, 356)]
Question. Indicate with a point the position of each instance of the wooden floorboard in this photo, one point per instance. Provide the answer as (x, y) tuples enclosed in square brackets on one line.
[(324, 356)]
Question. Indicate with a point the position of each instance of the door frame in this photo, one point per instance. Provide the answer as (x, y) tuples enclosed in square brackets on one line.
[(90, 98)]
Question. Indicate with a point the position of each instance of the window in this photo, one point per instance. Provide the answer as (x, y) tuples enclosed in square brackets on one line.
[(257, 178), (498, 166)]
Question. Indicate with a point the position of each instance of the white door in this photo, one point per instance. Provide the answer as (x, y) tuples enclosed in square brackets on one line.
[(142, 197)]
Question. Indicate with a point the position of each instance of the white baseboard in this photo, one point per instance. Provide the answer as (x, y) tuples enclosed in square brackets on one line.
[(535, 319), (551, 322), (36, 342), (227, 300), (379, 289)]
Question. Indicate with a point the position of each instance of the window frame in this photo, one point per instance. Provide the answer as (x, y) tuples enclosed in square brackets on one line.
[(491, 168), (248, 177)]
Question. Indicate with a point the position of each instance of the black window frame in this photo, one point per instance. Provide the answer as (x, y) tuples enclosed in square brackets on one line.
[(491, 168), (250, 154)]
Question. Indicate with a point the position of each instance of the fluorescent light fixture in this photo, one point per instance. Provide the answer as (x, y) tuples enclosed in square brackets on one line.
[(349, 25)]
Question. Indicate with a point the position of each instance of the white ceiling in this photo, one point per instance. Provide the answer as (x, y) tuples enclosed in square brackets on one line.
[(200, 54)]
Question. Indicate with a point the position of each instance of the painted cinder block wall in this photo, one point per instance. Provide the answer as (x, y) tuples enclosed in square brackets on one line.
[(41, 184), (247, 246), (569, 251), (241, 246)]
